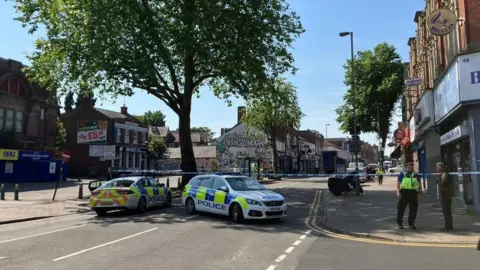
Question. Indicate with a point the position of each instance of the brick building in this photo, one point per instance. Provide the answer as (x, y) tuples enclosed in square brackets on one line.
[(24, 111), (442, 113), (101, 138)]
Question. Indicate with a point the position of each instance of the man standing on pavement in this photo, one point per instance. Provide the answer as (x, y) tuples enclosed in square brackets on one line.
[(446, 195), (380, 175), (408, 189)]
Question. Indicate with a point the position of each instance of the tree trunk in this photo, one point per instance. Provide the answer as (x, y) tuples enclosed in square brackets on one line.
[(275, 155), (382, 155), (186, 149)]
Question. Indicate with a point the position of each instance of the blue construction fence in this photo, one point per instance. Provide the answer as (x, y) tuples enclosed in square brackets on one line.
[(18, 166), (176, 172)]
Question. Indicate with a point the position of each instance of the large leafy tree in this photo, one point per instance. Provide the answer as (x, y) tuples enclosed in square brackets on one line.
[(378, 77), (168, 48), (156, 118), (277, 108)]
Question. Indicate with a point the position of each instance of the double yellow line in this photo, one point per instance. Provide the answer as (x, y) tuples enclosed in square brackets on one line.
[(311, 223)]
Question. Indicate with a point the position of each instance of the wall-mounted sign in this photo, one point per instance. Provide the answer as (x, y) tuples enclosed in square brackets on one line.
[(95, 150), (446, 93), (452, 135), (441, 22), (398, 135), (34, 155), (8, 154), (413, 81), (92, 131)]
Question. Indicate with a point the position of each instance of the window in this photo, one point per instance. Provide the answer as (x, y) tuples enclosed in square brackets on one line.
[(9, 121), (2, 116), (13, 86), (118, 135), (195, 181), (19, 121), (126, 136), (207, 182), (218, 183), (135, 137)]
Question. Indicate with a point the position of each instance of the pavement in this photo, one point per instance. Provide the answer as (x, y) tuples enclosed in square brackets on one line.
[(374, 215)]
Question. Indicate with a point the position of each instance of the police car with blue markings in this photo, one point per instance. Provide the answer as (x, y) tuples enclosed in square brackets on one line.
[(237, 196)]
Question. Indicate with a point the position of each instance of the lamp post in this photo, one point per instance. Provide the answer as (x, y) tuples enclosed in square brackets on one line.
[(354, 139), (326, 130)]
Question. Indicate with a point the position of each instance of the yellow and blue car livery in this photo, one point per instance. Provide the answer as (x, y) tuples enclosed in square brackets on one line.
[(237, 196), (130, 193)]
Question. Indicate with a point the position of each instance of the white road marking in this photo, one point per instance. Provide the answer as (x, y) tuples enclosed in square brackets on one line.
[(187, 218), (102, 245), (288, 250), (280, 258), (293, 184), (40, 234), (1, 258)]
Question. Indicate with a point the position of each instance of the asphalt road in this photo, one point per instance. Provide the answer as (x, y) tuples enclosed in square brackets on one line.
[(170, 239)]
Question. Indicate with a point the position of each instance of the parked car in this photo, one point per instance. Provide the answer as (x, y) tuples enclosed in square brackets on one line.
[(396, 169)]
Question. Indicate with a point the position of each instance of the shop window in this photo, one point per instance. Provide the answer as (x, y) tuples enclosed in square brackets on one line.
[(130, 159), (118, 139), (126, 136), (19, 121), (2, 117), (9, 120)]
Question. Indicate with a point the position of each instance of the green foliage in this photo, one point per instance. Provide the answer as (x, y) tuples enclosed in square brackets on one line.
[(156, 118), (156, 146), (61, 137), (211, 134), (167, 48), (277, 108), (68, 102), (378, 76)]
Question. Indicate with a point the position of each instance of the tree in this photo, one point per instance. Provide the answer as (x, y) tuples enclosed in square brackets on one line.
[(61, 137), (167, 48), (150, 118), (278, 108), (211, 134), (156, 146), (68, 102), (378, 75)]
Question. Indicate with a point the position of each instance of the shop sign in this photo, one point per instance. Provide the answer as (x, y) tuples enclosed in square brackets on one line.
[(34, 155), (441, 22), (92, 131), (451, 136), (131, 127), (469, 76), (413, 81), (135, 150), (446, 93), (8, 154)]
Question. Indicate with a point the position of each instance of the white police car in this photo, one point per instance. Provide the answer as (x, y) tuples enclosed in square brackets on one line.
[(237, 196)]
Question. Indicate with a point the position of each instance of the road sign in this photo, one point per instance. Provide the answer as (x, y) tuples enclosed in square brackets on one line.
[(66, 155), (355, 146), (413, 81)]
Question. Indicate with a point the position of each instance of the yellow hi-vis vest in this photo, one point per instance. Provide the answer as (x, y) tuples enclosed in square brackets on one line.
[(379, 171), (409, 182)]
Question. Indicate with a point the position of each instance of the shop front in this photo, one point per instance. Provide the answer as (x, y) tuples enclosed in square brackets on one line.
[(457, 117)]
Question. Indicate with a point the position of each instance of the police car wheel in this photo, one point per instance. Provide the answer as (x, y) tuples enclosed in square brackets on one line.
[(236, 213), (190, 206), (142, 205)]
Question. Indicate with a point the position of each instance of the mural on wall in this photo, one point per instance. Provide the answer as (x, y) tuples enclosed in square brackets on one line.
[(236, 146), (203, 164)]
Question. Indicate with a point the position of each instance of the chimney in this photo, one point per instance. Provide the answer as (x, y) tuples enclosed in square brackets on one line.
[(240, 113), (124, 110), (86, 102)]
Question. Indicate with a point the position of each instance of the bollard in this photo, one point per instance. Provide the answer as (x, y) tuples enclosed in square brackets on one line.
[(16, 191), (478, 245), (178, 183), (168, 182), (2, 192), (80, 191)]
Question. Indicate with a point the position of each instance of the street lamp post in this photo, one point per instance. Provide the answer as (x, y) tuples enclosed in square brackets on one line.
[(326, 130), (354, 139)]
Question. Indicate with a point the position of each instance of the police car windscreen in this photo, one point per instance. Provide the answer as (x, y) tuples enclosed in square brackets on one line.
[(244, 183), (123, 183)]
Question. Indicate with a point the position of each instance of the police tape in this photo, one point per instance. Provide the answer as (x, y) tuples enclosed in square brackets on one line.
[(302, 175)]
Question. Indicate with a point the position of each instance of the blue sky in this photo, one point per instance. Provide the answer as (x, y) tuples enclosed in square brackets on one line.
[(319, 54)]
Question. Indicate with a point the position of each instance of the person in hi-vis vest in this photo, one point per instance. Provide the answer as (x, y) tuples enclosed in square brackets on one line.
[(408, 189), (380, 175)]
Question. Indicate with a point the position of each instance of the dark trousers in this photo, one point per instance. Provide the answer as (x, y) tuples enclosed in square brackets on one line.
[(380, 180), (410, 198), (447, 213)]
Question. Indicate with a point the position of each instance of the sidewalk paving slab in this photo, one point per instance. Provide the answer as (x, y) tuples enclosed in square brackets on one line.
[(374, 215)]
